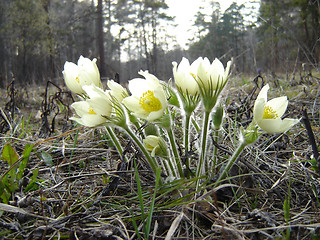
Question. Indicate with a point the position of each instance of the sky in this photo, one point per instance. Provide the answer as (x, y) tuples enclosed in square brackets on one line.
[(185, 10)]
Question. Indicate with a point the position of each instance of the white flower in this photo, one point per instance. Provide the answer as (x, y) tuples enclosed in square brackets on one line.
[(155, 145), (267, 114), (85, 73), (95, 110), (148, 100), (210, 75), (183, 76), (117, 91)]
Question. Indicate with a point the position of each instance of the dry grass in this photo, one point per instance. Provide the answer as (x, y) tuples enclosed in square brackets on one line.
[(85, 191)]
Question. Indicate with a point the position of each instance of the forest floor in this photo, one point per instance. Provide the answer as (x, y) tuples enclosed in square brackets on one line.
[(68, 182)]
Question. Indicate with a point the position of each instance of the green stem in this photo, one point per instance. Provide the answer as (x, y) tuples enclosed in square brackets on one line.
[(150, 159), (165, 164), (214, 164), (203, 143), (115, 140), (151, 211), (186, 138), (173, 170), (231, 161), (195, 125), (175, 151)]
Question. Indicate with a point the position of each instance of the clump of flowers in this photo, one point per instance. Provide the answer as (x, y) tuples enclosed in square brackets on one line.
[(78, 75), (198, 86)]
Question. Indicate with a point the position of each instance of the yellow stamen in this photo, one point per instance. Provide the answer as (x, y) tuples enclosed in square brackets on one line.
[(149, 102), (193, 75), (77, 79), (91, 111), (269, 113)]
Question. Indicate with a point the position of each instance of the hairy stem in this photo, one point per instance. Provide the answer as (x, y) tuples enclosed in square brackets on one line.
[(202, 163), (215, 150), (115, 140), (186, 139), (231, 161), (175, 151), (137, 141)]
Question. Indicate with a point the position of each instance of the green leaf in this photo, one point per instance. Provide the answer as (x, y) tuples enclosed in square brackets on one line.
[(24, 161), (33, 184), (3, 193), (47, 158), (139, 191), (286, 209), (314, 164), (149, 219), (9, 154), (1, 188)]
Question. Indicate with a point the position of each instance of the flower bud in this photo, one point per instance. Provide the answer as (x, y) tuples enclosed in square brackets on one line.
[(217, 117), (155, 145), (117, 91)]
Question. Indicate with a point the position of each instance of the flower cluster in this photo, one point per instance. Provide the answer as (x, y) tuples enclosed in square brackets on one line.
[(201, 81)]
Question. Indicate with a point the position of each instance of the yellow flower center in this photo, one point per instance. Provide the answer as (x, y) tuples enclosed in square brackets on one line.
[(149, 102), (269, 113), (91, 111), (77, 79)]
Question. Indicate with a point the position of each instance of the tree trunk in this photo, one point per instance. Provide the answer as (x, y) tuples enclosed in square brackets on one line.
[(100, 38)]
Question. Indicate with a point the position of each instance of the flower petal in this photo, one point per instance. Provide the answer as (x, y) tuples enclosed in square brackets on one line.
[(217, 67), (227, 70), (82, 61), (138, 86), (81, 107), (263, 94), (154, 115), (70, 74), (258, 109), (117, 90), (150, 78), (159, 93), (184, 65), (151, 141), (90, 120), (277, 125), (203, 71), (93, 91), (100, 106), (195, 65), (184, 79), (131, 102), (279, 105), (288, 123), (154, 150), (216, 72)]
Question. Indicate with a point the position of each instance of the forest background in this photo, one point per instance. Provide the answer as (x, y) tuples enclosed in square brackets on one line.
[(38, 36)]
